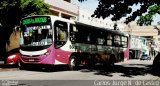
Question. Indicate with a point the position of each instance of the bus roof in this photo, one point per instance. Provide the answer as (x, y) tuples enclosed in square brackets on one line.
[(100, 28), (54, 18), (62, 19)]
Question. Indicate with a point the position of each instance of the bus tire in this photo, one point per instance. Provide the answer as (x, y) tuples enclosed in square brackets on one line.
[(18, 64), (112, 60), (73, 63), (21, 66)]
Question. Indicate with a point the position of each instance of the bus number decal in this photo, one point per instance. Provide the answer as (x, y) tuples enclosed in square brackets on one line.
[(72, 47)]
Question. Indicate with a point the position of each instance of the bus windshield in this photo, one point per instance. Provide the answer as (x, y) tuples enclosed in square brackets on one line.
[(36, 31)]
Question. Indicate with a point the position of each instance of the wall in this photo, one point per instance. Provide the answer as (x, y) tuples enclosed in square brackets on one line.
[(133, 29), (138, 46), (62, 7), (14, 41), (85, 17)]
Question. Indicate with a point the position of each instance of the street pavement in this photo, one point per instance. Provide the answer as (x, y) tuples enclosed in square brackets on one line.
[(132, 70), (128, 70)]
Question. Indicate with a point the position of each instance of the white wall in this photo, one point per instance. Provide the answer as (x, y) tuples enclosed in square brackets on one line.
[(157, 43), (63, 6), (139, 43), (85, 17)]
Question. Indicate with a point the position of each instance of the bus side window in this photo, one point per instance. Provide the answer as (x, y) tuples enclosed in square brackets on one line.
[(60, 33), (101, 38), (124, 41), (117, 40), (109, 39), (73, 31)]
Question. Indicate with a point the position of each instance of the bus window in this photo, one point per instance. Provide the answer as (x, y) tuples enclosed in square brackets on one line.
[(36, 36), (100, 38), (73, 31), (60, 33), (36, 33), (81, 34), (93, 36), (124, 41), (117, 41), (109, 39)]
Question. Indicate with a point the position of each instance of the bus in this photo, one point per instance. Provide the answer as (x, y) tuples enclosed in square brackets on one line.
[(50, 40)]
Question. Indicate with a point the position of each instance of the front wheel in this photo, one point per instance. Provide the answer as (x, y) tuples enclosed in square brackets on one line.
[(21, 66), (72, 63), (18, 63)]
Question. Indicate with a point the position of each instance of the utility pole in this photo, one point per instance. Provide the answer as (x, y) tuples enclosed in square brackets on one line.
[(115, 26)]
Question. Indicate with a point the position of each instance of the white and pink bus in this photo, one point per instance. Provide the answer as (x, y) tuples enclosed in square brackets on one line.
[(51, 40)]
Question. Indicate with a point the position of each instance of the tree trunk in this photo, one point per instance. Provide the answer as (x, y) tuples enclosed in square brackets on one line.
[(4, 39)]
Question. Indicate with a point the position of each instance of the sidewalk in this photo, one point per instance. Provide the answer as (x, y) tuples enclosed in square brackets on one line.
[(136, 62)]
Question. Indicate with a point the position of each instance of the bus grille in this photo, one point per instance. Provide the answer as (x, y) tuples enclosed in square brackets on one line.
[(31, 59)]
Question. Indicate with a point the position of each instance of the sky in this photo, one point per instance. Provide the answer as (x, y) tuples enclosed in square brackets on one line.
[(91, 5)]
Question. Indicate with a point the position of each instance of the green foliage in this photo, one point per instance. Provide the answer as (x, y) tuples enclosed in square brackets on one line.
[(147, 19), (11, 11), (116, 9), (21, 8), (33, 7)]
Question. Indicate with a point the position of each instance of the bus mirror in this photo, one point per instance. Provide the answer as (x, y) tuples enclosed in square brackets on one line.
[(39, 31)]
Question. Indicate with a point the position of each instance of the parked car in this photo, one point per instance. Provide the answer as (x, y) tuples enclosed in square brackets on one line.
[(12, 57), (145, 57)]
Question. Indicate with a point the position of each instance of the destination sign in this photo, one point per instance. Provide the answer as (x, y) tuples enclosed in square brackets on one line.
[(34, 20), (39, 27)]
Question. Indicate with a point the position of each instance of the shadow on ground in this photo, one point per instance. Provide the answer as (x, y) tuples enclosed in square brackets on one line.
[(50, 68), (37, 68), (129, 70), (8, 66)]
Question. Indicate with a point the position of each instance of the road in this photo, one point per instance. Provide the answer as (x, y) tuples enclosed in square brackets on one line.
[(128, 70)]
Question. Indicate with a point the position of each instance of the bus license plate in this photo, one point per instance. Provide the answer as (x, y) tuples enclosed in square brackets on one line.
[(31, 60)]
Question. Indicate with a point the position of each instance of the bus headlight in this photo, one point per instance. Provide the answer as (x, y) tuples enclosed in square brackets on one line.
[(47, 53)]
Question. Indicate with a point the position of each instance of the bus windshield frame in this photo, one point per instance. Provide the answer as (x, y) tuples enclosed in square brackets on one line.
[(36, 32)]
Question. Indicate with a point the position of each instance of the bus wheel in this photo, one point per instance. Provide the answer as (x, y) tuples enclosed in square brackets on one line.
[(72, 63), (18, 63), (21, 66), (112, 60)]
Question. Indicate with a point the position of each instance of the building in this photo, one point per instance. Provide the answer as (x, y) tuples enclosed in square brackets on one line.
[(149, 35), (63, 8), (157, 43), (145, 31), (138, 46), (85, 17)]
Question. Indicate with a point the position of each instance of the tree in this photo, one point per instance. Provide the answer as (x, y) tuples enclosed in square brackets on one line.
[(11, 11), (148, 18), (120, 8)]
